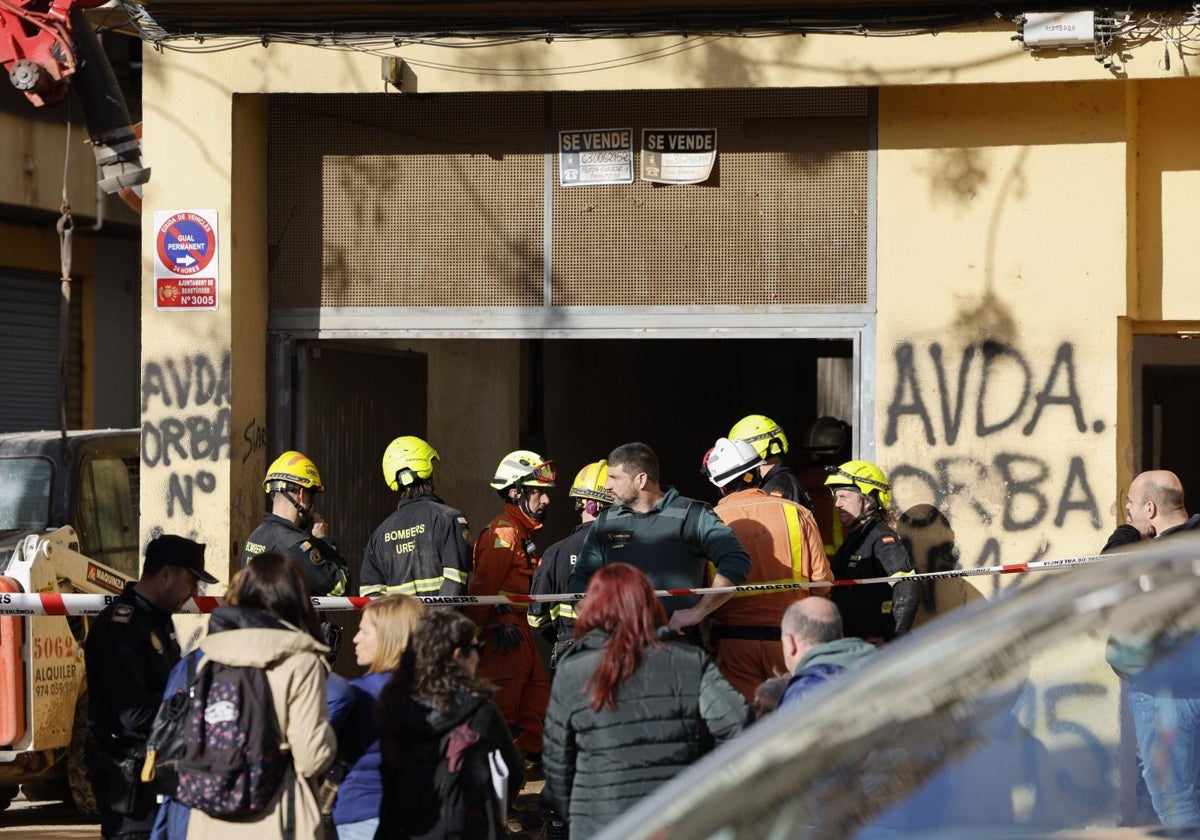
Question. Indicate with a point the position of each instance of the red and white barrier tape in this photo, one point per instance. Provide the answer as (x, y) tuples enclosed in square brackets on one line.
[(72, 604)]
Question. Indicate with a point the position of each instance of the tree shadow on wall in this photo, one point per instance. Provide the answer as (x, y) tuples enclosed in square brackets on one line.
[(929, 538)]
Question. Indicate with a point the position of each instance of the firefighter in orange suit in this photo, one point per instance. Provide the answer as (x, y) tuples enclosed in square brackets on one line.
[(504, 561), (784, 545)]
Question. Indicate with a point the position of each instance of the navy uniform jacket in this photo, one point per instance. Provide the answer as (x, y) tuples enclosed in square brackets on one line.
[(552, 577), (781, 481), (325, 570), (130, 651), (877, 609), (423, 548)]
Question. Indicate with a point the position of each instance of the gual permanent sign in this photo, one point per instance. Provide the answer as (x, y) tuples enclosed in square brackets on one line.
[(597, 156), (678, 155), (185, 265)]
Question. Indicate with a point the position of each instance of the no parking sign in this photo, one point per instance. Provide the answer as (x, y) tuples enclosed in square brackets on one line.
[(185, 265)]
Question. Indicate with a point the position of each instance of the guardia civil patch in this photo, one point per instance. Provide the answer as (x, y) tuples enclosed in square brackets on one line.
[(888, 540)]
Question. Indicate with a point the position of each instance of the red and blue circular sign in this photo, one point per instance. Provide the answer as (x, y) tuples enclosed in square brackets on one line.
[(186, 243)]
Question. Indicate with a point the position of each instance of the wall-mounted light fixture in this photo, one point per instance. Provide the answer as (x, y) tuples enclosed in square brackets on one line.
[(392, 71)]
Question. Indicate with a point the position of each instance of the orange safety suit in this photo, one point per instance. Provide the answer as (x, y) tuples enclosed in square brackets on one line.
[(785, 546), (504, 562)]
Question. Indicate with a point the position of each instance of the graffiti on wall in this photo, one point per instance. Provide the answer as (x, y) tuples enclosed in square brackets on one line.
[(186, 424), (1007, 463)]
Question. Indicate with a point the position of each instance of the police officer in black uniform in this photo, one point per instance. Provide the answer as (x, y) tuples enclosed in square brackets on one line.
[(876, 612), (555, 620), (293, 527), (424, 546), (129, 653)]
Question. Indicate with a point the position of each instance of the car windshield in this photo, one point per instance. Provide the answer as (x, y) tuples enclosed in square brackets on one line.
[(1003, 719), (25, 493)]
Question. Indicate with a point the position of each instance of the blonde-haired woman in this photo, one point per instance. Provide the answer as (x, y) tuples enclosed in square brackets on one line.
[(383, 633)]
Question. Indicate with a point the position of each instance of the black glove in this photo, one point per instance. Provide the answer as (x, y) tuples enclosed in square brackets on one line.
[(333, 638), (505, 637)]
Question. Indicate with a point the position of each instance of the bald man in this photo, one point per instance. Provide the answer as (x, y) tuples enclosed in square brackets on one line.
[(814, 649), (1164, 698), (1154, 507)]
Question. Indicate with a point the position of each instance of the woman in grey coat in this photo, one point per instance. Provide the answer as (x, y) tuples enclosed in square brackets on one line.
[(630, 706)]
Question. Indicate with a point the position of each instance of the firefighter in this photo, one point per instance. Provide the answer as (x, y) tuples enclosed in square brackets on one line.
[(876, 612), (424, 546), (505, 559), (770, 442), (293, 526), (826, 443), (556, 620), (784, 545)]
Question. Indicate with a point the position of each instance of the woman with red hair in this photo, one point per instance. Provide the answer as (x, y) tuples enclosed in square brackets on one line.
[(631, 704)]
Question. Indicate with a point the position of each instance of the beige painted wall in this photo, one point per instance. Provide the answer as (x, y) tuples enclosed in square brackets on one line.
[(473, 417)]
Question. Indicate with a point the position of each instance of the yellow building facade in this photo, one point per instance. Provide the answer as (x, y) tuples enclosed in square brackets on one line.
[(1027, 248)]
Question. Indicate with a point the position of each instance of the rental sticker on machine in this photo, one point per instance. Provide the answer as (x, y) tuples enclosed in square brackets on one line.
[(185, 264), (678, 155)]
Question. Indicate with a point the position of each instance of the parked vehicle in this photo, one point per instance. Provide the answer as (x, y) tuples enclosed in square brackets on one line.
[(68, 523), (1000, 719)]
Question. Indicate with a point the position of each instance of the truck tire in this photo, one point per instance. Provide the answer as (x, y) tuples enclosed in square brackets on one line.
[(77, 776), (7, 794)]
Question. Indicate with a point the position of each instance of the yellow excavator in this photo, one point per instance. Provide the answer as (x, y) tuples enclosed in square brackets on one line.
[(68, 523)]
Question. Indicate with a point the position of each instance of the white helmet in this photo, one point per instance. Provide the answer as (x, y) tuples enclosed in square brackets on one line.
[(730, 459)]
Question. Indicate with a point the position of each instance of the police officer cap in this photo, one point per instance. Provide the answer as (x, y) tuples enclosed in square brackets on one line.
[(172, 550)]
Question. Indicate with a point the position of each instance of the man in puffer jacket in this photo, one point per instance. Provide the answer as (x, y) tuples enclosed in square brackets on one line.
[(673, 710), (814, 649)]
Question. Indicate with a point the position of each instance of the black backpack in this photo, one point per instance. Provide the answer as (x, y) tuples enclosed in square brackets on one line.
[(234, 762), (463, 779), (167, 743)]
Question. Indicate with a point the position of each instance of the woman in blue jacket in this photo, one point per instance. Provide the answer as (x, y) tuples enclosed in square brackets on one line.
[(383, 634)]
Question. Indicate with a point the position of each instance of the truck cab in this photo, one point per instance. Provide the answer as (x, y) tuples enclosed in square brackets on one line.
[(68, 523)]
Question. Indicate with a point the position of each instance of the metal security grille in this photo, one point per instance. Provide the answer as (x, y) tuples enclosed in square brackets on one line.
[(441, 201)]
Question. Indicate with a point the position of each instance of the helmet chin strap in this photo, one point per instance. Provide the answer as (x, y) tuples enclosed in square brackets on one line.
[(306, 519), (523, 504)]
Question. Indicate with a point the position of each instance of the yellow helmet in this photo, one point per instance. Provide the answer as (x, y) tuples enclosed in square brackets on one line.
[(525, 468), (295, 469), (864, 477), (589, 483), (407, 459), (761, 432)]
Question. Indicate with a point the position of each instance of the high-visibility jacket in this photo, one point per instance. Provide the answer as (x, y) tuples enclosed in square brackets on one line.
[(784, 545), (553, 577), (504, 561), (422, 548)]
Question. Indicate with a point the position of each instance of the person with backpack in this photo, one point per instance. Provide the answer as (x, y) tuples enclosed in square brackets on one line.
[(383, 635), (631, 706), (257, 732), (449, 762)]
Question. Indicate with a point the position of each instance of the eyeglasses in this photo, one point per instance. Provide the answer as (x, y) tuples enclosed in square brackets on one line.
[(477, 646)]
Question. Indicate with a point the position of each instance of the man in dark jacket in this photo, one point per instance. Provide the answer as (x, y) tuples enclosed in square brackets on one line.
[(669, 537), (130, 652), (293, 526), (876, 612), (1164, 698), (813, 646), (556, 620), (424, 546)]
